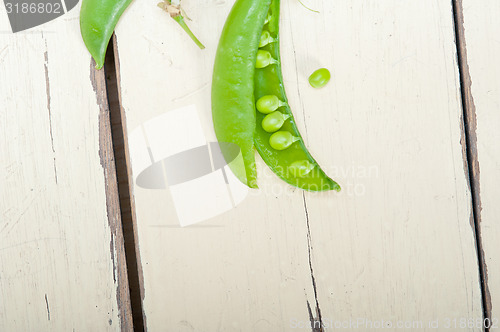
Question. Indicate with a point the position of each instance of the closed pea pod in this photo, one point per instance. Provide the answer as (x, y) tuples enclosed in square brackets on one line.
[(98, 19)]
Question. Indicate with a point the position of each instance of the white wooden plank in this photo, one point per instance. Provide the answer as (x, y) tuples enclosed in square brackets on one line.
[(401, 236), (396, 244), (481, 28), (61, 250)]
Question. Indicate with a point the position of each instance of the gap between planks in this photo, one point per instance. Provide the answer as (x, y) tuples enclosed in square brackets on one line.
[(117, 243), (469, 143), (123, 177)]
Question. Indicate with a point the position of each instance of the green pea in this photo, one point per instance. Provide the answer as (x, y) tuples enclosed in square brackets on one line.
[(264, 59), (265, 38), (274, 121), (319, 78), (268, 104), (300, 168), (281, 140)]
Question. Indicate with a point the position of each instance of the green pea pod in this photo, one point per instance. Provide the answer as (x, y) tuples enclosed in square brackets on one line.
[(233, 107), (247, 77), (98, 19)]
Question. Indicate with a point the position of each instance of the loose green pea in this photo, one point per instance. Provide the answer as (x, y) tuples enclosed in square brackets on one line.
[(264, 59), (265, 38), (319, 78), (300, 168), (281, 140), (268, 104), (274, 121)]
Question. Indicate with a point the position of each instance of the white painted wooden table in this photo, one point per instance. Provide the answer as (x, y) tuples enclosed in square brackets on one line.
[(407, 126)]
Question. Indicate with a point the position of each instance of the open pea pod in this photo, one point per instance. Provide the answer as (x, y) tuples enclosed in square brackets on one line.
[(249, 103)]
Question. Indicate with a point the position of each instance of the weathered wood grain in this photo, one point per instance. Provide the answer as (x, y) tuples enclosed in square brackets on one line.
[(481, 47), (396, 245), (62, 263)]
